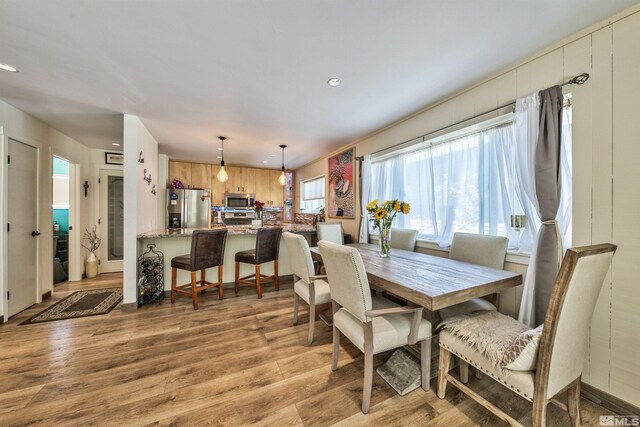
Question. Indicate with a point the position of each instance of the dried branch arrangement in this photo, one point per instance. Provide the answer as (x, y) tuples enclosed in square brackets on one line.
[(92, 238)]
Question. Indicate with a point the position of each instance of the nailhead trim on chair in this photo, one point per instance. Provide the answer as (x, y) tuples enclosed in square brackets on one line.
[(521, 393)]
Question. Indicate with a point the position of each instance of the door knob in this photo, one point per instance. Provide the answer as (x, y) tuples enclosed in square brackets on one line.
[(35, 233)]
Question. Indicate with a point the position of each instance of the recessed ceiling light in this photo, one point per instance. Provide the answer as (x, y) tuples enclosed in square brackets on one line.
[(8, 67), (264, 161), (117, 144), (272, 155), (219, 157), (219, 149), (334, 82)]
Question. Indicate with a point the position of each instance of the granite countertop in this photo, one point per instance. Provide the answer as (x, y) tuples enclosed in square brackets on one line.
[(233, 230)]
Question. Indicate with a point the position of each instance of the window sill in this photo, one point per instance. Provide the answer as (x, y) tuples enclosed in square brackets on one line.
[(512, 257)]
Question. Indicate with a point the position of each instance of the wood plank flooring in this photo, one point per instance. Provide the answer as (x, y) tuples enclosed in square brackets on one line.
[(235, 362)]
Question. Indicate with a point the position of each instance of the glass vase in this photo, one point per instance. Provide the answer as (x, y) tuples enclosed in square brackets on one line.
[(385, 241)]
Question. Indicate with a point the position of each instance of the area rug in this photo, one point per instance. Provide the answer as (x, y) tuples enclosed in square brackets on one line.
[(80, 304)]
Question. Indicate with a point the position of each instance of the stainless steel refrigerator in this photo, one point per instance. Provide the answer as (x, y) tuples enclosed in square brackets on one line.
[(188, 208)]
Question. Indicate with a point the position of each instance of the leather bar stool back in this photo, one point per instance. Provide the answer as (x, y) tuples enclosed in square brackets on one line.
[(267, 249), (207, 251)]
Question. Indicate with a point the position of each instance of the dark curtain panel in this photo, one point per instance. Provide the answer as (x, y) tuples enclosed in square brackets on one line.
[(547, 176)]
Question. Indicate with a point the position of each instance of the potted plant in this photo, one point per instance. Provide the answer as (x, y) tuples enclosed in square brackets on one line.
[(93, 243)]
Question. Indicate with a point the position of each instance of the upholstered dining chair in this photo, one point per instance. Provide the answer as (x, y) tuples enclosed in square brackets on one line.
[(311, 288), (404, 238), (488, 251), (331, 232), (207, 251), (558, 360), (267, 250), (374, 325)]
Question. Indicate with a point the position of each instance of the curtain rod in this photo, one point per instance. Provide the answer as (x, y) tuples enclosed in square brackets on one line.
[(578, 80)]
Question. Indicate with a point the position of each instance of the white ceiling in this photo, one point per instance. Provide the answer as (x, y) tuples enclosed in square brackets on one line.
[(256, 71)]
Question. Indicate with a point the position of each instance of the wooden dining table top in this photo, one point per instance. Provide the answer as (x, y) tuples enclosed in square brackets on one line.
[(430, 281)]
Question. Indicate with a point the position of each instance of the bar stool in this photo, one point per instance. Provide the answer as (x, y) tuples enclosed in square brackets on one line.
[(207, 250), (267, 247)]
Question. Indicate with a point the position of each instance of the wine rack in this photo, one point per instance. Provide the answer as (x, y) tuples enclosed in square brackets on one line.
[(150, 276)]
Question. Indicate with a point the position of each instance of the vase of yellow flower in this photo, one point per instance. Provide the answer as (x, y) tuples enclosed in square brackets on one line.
[(383, 215)]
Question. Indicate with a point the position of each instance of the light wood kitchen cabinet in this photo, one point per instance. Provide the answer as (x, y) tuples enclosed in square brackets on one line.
[(217, 188), (180, 171), (201, 176), (234, 184), (263, 188), (276, 190), (249, 179)]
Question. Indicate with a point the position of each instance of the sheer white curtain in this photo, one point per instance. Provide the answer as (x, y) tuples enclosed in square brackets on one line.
[(466, 184), (365, 174)]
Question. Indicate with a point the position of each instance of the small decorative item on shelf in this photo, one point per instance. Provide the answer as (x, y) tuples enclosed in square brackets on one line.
[(150, 276), (93, 243), (383, 216), (176, 183), (257, 223)]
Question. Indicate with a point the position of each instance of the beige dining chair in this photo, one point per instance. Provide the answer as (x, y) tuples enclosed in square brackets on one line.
[(562, 343), (488, 251), (404, 238), (311, 288), (331, 232), (374, 325)]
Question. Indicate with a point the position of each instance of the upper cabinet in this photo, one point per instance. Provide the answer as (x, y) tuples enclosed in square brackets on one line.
[(180, 171), (201, 176), (261, 182), (192, 175)]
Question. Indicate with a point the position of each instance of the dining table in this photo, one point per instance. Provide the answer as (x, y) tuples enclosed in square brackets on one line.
[(430, 281)]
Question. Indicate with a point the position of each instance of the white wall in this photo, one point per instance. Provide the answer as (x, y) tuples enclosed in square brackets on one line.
[(141, 206), (606, 199), (24, 128)]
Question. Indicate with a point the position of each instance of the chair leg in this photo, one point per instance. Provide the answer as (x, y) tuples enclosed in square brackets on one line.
[(443, 369), (194, 292), (539, 415), (174, 274), (368, 367), (275, 272), (312, 317), (296, 302), (425, 363), (464, 371), (203, 279), (236, 283), (220, 276), (336, 340), (573, 403), (258, 285)]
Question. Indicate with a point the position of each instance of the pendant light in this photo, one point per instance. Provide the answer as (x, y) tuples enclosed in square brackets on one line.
[(222, 175), (282, 179)]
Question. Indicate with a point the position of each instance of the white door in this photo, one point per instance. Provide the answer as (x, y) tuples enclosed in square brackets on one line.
[(22, 235), (111, 220)]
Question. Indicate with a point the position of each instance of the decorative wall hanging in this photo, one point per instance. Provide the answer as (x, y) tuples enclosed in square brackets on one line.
[(341, 190), (140, 158), (114, 158), (153, 190), (147, 177)]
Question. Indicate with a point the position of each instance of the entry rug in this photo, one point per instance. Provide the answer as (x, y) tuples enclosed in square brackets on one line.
[(80, 304)]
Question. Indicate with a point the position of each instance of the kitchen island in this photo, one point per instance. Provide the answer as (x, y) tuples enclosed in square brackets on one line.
[(174, 242)]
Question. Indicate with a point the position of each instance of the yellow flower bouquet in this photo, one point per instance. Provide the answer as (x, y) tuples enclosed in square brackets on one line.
[(382, 216)]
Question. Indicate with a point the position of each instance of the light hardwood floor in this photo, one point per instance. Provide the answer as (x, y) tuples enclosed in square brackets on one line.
[(235, 362)]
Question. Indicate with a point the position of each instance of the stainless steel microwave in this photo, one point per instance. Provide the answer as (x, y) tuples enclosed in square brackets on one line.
[(239, 200)]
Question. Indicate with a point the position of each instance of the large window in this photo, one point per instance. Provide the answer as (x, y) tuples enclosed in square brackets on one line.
[(465, 181), (312, 195)]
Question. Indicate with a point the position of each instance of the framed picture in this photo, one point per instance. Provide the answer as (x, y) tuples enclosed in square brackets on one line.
[(342, 185), (114, 158)]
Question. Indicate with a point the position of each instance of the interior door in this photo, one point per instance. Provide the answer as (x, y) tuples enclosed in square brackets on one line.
[(111, 220), (22, 237)]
